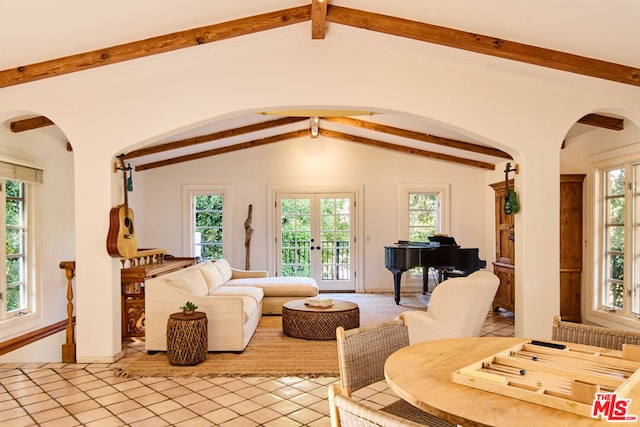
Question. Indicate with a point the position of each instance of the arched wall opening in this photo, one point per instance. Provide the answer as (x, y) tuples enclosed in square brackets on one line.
[(587, 151), (53, 233)]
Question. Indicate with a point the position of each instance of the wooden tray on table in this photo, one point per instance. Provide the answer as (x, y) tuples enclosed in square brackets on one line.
[(560, 376)]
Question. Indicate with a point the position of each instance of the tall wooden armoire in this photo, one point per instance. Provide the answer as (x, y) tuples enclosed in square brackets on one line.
[(504, 265), (570, 248)]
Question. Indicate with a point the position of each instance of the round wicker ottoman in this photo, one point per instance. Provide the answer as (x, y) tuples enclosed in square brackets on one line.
[(187, 338), (317, 323)]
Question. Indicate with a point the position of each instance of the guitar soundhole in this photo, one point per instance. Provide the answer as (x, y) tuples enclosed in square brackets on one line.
[(129, 224)]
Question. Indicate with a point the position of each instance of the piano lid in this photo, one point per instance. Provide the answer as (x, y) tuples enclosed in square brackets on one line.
[(443, 240), (434, 241), (417, 244)]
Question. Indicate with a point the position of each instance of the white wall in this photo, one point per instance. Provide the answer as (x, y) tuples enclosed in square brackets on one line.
[(48, 349), (313, 163)]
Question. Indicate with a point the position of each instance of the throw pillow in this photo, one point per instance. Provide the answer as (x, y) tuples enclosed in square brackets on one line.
[(190, 281), (211, 275), (224, 268)]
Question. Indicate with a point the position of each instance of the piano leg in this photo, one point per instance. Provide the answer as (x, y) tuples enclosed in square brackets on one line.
[(397, 277), (425, 280)]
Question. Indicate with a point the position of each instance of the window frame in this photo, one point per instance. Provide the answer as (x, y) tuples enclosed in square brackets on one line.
[(404, 191), (598, 309), (32, 198), (421, 229), (189, 194)]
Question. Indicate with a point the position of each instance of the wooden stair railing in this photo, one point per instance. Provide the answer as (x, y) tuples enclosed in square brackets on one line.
[(69, 348)]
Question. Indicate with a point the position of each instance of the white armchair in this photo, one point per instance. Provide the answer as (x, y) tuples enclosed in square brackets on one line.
[(458, 308)]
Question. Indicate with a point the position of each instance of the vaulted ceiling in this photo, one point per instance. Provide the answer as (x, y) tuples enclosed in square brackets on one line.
[(381, 129)]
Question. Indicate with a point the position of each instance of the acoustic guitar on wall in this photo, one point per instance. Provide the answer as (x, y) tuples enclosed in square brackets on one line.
[(511, 205), (121, 238)]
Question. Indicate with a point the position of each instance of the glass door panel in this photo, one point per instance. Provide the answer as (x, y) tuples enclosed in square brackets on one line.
[(295, 236), (315, 238)]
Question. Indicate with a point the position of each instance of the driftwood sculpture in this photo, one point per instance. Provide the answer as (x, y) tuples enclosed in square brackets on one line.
[(248, 232)]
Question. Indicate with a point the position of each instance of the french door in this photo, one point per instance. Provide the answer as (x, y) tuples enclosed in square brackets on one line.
[(315, 238)]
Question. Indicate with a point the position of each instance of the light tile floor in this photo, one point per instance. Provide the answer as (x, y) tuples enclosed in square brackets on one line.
[(60, 394)]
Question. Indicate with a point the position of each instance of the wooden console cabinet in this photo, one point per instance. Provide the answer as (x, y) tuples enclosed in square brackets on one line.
[(146, 264), (570, 248)]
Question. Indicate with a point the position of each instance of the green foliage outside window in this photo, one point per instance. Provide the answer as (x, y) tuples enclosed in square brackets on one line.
[(297, 232), (14, 245), (208, 226), (423, 216), (335, 238), (615, 237), (295, 225)]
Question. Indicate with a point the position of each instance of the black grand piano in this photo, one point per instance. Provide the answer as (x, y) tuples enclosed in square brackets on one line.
[(439, 252)]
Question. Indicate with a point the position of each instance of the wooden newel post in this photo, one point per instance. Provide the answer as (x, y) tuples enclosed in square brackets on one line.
[(69, 348)]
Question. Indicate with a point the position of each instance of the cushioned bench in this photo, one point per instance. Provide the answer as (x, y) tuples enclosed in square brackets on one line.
[(279, 290)]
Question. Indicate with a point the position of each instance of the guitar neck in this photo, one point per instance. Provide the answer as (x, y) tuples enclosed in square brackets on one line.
[(124, 183)]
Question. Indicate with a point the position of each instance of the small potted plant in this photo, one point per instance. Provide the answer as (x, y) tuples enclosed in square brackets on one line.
[(188, 308)]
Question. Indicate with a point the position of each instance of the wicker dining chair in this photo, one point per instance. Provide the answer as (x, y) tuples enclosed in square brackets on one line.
[(347, 412), (592, 335), (362, 353)]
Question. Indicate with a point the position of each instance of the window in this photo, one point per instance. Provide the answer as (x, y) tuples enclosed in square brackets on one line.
[(207, 230), (15, 232), (208, 217), (423, 210), (424, 213), (619, 225), (17, 209)]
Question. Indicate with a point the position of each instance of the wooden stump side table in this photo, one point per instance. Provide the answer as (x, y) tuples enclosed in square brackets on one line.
[(318, 323), (187, 338)]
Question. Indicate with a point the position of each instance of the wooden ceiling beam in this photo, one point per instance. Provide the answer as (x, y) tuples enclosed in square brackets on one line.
[(406, 150), (606, 122), (318, 18), (30, 123), (324, 132), (484, 44), (424, 137), (154, 45), (212, 137), (223, 150), (341, 15)]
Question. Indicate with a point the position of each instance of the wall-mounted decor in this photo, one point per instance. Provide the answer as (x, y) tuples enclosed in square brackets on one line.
[(511, 205)]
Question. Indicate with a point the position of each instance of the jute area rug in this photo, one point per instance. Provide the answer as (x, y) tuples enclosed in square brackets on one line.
[(271, 353)]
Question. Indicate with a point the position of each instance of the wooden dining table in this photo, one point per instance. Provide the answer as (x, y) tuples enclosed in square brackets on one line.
[(421, 374)]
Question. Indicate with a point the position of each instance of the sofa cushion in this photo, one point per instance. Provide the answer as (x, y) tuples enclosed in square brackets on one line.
[(224, 268), (280, 286), (251, 298), (211, 275), (190, 281), (241, 291)]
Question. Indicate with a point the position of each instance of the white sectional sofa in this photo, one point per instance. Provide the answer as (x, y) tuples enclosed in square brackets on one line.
[(234, 300)]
